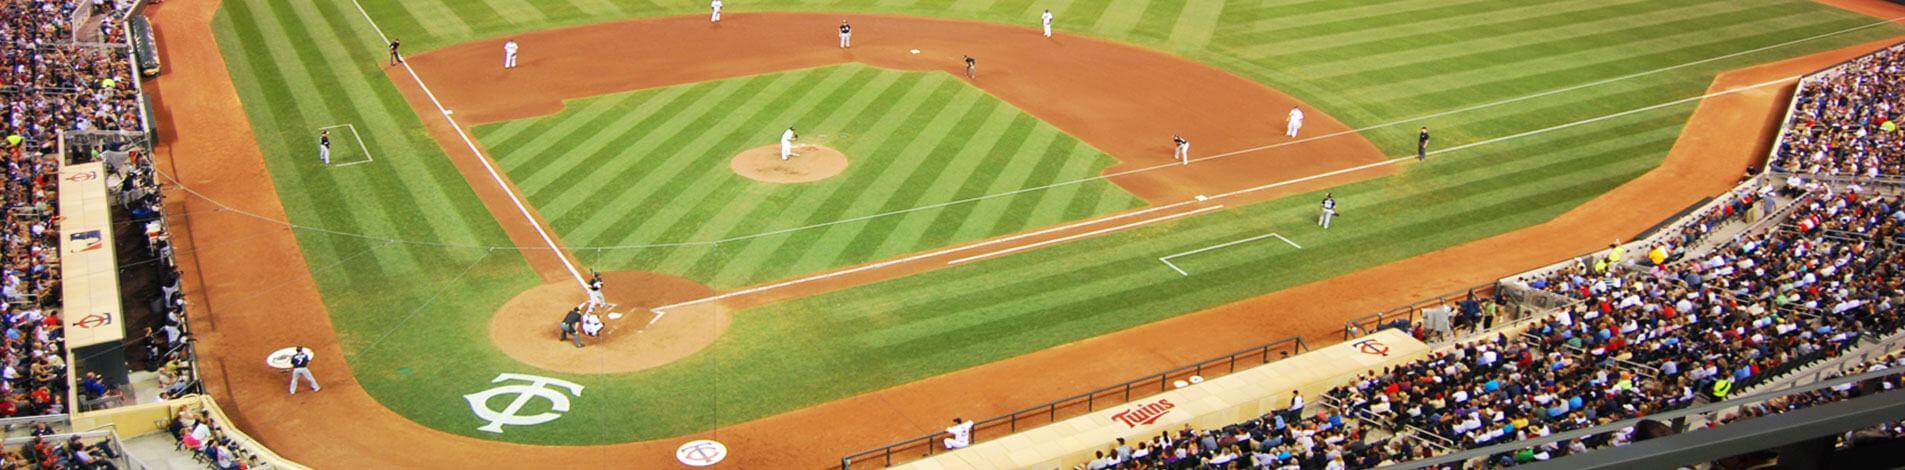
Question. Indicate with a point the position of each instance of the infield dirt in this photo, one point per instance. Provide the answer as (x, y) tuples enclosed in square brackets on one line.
[(810, 163), (210, 149)]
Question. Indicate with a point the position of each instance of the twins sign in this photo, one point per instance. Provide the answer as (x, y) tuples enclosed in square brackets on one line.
[(1144, 414)]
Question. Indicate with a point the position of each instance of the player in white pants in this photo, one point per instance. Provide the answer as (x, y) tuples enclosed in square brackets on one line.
[(596, 299), (716, 6), (1296, 122), (846, 35), (509, 54), (1183, 149), (1047, 18), (324, 146), (1329, 210), (301, 368), (787, 143)]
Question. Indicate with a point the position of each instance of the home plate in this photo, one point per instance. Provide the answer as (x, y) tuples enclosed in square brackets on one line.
[(615, 315), (915, 51)]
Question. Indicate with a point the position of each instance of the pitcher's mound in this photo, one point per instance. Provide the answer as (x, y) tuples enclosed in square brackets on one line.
[(810, 163), (526, 328)]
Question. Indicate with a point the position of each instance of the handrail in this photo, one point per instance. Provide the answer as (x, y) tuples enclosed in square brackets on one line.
[(1373, 322), (1049, 412)]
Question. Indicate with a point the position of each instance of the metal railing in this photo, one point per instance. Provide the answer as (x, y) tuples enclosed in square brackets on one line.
[(1075, 405), (1413, 312)]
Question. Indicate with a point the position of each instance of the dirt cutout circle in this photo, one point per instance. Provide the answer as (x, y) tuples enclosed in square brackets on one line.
[(526, 327), (810, 163)]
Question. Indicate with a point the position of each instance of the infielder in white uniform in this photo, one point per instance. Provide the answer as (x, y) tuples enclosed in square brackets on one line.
[(1047, 17), (846, 35), (716, 6), (1183, 149), (1296, 121), (787, 143), (509, 54), (1329, 210)]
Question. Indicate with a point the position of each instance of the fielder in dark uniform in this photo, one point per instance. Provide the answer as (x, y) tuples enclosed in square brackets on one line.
[(324, 146), (1329, 210), (972, 67), (301, 367), (1422, 144), (395, 58), (571, 325)]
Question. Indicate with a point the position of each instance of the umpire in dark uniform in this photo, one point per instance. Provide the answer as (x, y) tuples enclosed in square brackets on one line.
[(571, 326), (1422, 144)]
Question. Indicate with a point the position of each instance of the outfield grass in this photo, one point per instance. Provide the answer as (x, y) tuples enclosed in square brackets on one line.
[(630, 171), (303, 65)]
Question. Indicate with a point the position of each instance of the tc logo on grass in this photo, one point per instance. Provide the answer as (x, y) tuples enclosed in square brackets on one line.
[(536, 388)]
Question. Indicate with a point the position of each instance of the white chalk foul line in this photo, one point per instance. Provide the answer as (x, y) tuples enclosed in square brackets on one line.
[(1093, 233), (1393, 161), (1167, 259), (662, 309), (480, 157)]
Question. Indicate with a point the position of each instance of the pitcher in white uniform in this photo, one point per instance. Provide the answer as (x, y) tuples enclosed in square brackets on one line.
[(716, 6), (787, 143), (1047, 17)]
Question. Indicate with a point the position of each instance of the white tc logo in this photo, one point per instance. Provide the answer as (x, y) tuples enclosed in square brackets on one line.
[(537, 387)]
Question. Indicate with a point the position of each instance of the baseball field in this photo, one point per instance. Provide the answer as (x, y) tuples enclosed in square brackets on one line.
[(977, 221)]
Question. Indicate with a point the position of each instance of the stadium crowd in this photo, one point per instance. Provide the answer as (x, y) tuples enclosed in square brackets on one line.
[(1845, 120), (1648, 335), (45, 451), (47, 85), (32, 364), (200, 433), (50, 85)]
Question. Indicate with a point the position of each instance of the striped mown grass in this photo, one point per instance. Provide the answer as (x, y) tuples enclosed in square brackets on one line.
[(619, 175), (1485, 68)]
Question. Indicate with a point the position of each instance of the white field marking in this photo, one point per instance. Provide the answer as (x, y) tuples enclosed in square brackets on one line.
[(1167, 259), (380, 33), (360, 143), (1177, 164), (1399, 160), (1101, 231), (1392, 161), (917, 257), (480, 157)]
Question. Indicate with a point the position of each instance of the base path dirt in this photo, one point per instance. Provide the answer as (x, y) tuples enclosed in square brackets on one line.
[(210, 147), (525, 327), (1124, 100), (810, 163)]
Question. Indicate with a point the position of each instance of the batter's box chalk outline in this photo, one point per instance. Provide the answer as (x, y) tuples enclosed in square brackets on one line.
[(360, 144)]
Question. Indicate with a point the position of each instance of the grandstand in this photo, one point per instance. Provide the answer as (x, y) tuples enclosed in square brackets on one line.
[(1775, 284), (1761, 326)]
